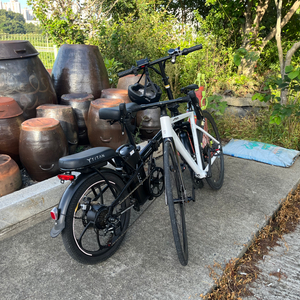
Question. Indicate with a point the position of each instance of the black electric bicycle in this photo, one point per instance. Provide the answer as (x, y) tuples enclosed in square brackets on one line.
[(94, 211)]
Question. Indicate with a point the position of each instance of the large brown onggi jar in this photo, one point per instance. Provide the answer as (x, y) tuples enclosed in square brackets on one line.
[(80, 103), (101, 132), (116, 94), (77, 69), (65, 115), (128, 80), (10, 176), (11, 118), (148, 122), (42, 144), (24, 77)]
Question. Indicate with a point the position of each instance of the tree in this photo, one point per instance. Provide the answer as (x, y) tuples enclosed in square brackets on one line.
[(31, 28), (246, 24), (71, 21), (290, 53), (11, 22)]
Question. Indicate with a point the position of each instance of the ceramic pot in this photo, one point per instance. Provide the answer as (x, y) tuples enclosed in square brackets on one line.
[(77, 69), (10, 176), (11, 118), (101, 132), (128, 80), (42, 144), (24, 77), (148, 122), (66, 117), (119, 94), (80, 103), (116, 94)]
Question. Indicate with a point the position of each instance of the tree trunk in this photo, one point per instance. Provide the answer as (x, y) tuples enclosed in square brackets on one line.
[(288, 59), (247, 67)]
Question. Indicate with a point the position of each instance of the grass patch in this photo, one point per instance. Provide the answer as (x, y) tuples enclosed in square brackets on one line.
[(257, 128), (239, 273)]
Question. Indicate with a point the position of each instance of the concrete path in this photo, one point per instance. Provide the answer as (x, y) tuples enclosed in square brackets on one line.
[(280, 271), (35, 266)]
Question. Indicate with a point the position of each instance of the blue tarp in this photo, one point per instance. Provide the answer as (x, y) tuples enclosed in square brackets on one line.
[(266, 153)]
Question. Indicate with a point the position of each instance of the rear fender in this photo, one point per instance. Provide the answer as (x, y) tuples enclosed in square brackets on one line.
[(65, 200)]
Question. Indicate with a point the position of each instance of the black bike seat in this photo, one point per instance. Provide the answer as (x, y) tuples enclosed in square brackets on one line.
[(87, 158)]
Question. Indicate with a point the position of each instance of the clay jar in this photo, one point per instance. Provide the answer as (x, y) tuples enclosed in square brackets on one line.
[(11, 119), (77, 69), (10, 176), (119, 94), (128, 80), (42, 144), (80, 103), (24, 77), (116, 94), (65, 115), (148, 122), (101, 132)]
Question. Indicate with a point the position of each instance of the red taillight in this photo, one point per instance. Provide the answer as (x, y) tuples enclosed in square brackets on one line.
[(54, 213), (64, 177)]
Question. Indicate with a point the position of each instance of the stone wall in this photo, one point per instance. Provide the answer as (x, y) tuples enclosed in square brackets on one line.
[(243, 106)]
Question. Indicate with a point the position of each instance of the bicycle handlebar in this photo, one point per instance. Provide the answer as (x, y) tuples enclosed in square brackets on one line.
[(186, 51), (176, 52)]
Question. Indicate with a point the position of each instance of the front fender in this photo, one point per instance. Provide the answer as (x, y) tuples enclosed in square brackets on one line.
[(64, 202)]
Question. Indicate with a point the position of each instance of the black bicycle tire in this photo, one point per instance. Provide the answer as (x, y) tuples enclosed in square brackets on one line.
[(215, 185), (68, 236), (179, 234), (186, 140)]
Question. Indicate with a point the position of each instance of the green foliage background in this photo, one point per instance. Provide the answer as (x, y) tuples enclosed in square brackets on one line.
[(138, 29)]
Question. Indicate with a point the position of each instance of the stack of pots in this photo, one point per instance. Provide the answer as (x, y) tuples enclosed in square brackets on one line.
[(23, 77)]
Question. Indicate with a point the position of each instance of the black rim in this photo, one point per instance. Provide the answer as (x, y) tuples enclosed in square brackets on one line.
[(92, 233), (176, 204)]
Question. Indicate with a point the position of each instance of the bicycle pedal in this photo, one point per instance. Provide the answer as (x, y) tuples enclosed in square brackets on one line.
[(183, 167), (189, 199)]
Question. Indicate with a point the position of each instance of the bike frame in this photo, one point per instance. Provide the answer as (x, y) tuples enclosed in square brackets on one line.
[(168, 132)]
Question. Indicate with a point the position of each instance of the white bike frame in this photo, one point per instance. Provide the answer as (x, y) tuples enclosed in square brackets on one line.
[(168, 132)]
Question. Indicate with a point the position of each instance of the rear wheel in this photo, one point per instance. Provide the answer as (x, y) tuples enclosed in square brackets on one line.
[(89, 237), (208, 151), (176, 201)]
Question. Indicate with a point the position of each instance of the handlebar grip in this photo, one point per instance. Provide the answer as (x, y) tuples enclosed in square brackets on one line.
[(126, 72), (186, 51)]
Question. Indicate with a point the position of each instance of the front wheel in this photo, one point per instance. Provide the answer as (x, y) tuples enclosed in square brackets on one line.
[(174, 188), (208, 151), (89, 236)]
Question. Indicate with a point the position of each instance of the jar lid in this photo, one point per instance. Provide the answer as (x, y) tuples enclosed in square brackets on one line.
[(106, 102), (54, 107), (113, 93), (16, 49), (9, 108), (39, 124), (77, 97)]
